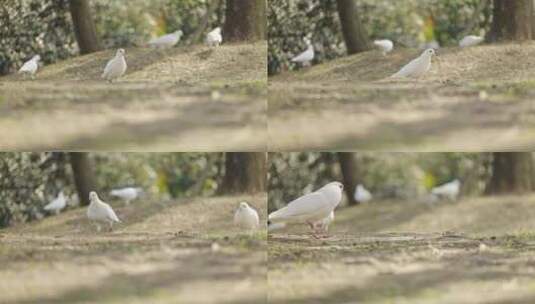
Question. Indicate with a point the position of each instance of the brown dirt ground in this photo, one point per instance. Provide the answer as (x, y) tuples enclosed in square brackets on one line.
[(186, 98), (473, 99), (184, 251), (477, 250)]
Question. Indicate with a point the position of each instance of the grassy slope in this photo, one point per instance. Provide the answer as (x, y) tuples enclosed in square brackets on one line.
[(442, 111), (166, 101), (163, 253), (479, 250)]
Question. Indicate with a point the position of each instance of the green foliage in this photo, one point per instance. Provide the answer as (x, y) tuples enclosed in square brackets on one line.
[(163, 174), (120, 25), (409, 23), (387, 175), (44, 27), (30, 27), (29, 181)]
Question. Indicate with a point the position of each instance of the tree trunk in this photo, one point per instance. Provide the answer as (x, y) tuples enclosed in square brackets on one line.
[(349, 168), (512, 20), (244, 173), (245, 20), (197, 36), (84, 176), (84, 27), (511, 173), (355, 36)]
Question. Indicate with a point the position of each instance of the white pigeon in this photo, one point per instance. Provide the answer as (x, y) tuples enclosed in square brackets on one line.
[(246, 217), (417, 67), (127, 194), (307, 56), (166, 41), (362, 195), (57, 204), (448, 190), (214, 38), (116, 67), (323, 225), (99, 211), (31, 66), (470, 40), (385, 45), (311, 207)]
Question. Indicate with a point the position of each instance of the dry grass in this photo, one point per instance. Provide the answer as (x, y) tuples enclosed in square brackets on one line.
[(354, 106), (478, 250), (191, 98), (163, 253)]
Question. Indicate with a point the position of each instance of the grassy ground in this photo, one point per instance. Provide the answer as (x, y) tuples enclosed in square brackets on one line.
[(479, 250), (473, 99), (185, 98), (184, 251)]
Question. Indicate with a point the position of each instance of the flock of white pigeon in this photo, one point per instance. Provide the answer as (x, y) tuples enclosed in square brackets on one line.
[(415, 68), (245, 217), (317, 208), (116, 67)]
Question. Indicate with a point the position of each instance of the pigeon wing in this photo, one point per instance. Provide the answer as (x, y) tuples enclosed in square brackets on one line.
[(301, 207), (110, 214)]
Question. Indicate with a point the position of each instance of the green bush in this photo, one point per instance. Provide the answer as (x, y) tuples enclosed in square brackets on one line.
[(29, 181), (44, 27), (409, 23)]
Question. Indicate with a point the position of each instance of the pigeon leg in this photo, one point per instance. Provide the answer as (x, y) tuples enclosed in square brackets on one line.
[(98, 228)]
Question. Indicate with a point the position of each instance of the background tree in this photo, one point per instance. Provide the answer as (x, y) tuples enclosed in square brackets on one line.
[(355, 36), (84, 26), (511, 173), (244, 173), (512, 20), (349, 168), (83, 174), (245, 20)]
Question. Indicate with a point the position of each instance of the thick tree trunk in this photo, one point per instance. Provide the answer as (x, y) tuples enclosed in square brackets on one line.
[(349, 168), (512, 20), (245, 20), (84, 27), (84, 176), (244, 173), (511, 173), (355, 36)]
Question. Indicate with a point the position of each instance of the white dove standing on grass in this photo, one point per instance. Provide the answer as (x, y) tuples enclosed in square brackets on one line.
[(166, 41), (309, 208), (307, 56), (246, 217), (116, 67), (470, 40), (448, 190), (386, 46), (99, 211), (57, 204), (417, 67), (362, 195), (30, 67), (127, 194), (214, 38)]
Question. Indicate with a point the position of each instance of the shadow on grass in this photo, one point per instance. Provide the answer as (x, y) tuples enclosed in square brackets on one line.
[(203, 268)]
